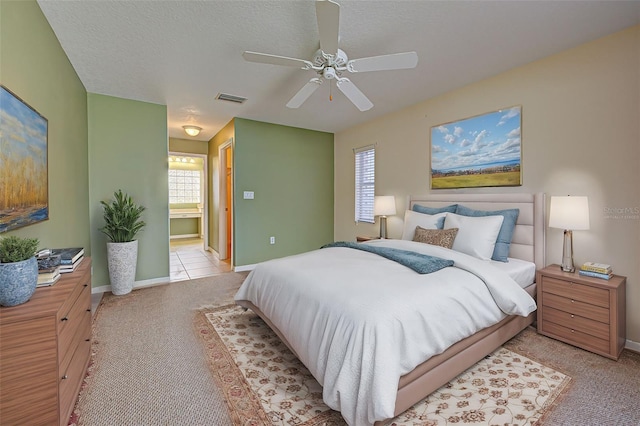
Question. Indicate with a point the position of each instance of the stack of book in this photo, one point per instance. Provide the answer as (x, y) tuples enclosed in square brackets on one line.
[(48, 268), (70, 258), (597, 270)]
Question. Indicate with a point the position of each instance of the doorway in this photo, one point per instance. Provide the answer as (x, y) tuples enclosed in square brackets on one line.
[(188, 226), (225, 223)]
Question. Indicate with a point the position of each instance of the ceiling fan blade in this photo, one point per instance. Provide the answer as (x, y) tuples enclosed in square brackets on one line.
[(328, 16), (265, 58), (396, 61), (304, 93), (354, 94)]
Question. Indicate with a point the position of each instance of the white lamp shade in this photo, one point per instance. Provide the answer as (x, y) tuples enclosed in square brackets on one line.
[(384, 205), (192, 130), (569, 212)]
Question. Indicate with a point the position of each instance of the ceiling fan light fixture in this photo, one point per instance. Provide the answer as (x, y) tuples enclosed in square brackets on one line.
[(192, 130), (329, 73)]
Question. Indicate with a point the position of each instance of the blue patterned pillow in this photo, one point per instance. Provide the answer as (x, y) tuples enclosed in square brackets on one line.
[(503, 242), (434, 210)]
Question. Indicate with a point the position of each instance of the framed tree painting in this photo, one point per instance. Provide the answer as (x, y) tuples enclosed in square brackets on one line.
[(24, 186), (484, 150)]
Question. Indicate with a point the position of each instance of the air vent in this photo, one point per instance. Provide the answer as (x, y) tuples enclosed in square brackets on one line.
[(230, 98)]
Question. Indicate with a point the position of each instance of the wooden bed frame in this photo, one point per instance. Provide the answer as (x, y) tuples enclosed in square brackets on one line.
[(528, 244)]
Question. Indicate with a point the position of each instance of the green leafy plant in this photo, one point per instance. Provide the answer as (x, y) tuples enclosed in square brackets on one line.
[(122, 218), (17, 249)]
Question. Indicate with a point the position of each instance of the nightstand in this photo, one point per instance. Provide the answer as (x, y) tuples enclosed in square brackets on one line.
[(582, 311), (361, 238)]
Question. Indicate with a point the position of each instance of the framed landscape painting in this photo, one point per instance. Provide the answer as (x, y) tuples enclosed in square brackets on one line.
[(24, 187), (484, 150)]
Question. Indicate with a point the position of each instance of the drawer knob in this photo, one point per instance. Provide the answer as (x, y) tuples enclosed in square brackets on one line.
[(89, 310), (85, 285), (573, 331), (87, 340), (65, 319), (65, 377), (572, 300), (572, 316)]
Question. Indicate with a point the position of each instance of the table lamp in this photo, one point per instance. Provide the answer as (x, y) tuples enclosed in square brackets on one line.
[(383, 206), (571, 214)]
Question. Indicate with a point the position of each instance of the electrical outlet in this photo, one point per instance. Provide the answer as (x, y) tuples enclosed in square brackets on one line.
[(272, 240)]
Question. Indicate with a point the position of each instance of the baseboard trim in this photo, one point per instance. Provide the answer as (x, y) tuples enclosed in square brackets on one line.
[(633, 346), (244, 268), (136, 285)]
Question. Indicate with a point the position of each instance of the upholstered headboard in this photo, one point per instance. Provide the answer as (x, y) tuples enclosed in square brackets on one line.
[(528, 237)]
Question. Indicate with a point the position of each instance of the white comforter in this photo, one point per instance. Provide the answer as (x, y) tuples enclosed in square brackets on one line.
[(359, 321)]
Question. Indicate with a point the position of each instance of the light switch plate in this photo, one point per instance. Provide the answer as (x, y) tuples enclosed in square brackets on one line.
[(248, 195)]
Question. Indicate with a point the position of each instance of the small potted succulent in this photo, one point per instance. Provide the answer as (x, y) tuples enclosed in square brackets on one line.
[(18, 269), (123, 220)]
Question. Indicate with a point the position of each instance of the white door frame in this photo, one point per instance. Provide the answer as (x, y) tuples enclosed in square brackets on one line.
[(222, 190), (204, 221)]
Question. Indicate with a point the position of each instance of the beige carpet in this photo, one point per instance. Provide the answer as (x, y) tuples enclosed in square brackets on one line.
[(265, 384), (150, 367)]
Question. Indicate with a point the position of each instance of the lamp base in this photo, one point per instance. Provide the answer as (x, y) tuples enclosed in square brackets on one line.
[(567, 252), (383, 227)]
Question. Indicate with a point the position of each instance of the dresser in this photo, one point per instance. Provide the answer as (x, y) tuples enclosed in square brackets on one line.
[(582, 311), (44, 351)]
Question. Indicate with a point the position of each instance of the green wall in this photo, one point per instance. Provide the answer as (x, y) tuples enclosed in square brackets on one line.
[(184, 226), (188, 146), (128, 150), (290, 171), (34, 67)]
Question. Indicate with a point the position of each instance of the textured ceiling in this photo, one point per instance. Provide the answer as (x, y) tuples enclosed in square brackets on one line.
[(183, 53)]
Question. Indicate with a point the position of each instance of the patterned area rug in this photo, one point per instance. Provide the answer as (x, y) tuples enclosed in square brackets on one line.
[(265, 384)]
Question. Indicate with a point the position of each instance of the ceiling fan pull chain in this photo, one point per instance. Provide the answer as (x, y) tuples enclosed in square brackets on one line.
[(330, 91)]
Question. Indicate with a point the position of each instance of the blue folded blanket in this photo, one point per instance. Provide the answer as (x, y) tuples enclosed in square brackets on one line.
[(421, 263)]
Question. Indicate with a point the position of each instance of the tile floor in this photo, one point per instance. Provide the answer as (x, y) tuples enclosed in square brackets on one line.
[(188, 259)]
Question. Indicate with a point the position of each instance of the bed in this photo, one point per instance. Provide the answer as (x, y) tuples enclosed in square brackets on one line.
[(371, 374)]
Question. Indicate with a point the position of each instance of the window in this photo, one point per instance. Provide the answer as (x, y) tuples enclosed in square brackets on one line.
[(184, 186), (365, 183)]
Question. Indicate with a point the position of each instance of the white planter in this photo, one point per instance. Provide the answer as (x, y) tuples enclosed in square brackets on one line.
[(122, 259)]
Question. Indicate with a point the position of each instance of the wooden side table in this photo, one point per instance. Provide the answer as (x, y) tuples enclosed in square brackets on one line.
[(582, 311), (361, 238)]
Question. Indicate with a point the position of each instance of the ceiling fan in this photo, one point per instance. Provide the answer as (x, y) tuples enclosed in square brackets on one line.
[(329, 62)]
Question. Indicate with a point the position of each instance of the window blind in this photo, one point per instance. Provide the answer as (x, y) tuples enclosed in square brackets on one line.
[(365, 183)]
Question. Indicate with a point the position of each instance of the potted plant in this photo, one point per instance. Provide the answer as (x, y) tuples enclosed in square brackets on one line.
[(122, 222), (18, 270)]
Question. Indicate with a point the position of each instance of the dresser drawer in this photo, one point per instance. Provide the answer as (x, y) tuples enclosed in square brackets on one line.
[(73, 375), (68, 305), (576, 337), (580, 292), (576, 322), (575, 307), (70, 323)]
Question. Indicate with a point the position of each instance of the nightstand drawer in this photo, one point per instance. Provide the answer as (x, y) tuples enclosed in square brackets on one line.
[(575, 307), (575, 322), (576, 337), (582, 311), (583, 293)]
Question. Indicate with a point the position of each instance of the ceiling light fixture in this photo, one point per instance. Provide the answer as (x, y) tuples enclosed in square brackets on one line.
[(192, 130)]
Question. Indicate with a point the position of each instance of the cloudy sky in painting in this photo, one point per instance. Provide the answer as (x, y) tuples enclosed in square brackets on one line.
[(23, 132), (479, 141)]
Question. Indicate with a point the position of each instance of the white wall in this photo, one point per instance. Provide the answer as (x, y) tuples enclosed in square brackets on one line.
[(580, 136)]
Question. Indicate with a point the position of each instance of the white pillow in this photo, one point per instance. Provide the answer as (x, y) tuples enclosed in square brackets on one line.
[(413, 219), (476, 235)]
